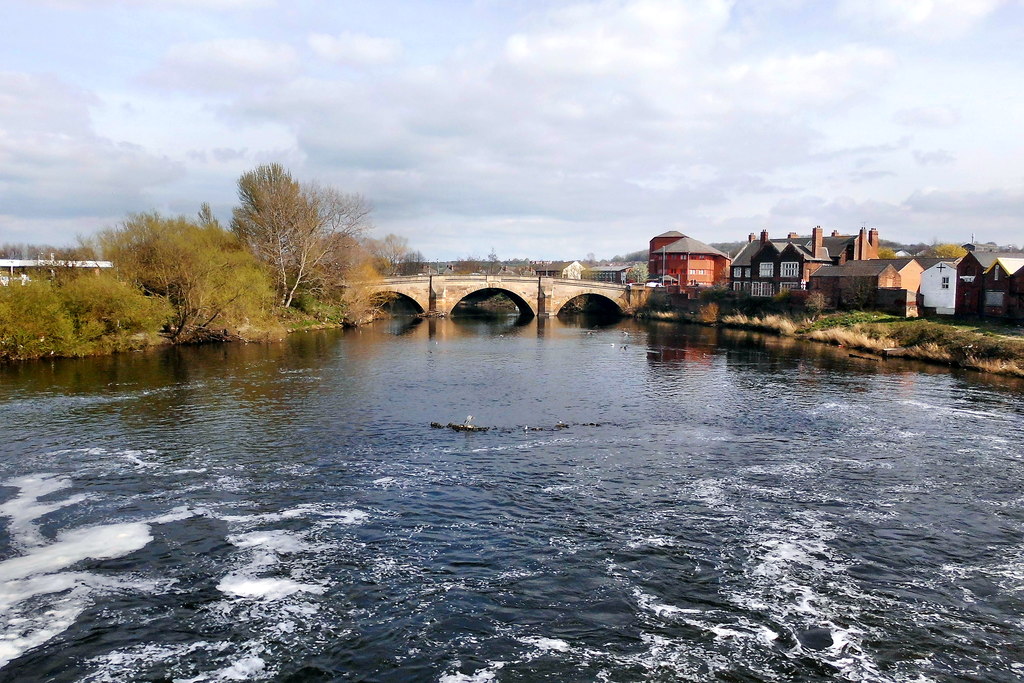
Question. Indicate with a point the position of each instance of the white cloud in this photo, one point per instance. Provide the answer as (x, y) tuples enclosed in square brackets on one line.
[(929, 19), (225, 65), (615, 38), (352, 48), (930, 117), (200, 4), (55, 165), (798, 81), (938, 157)]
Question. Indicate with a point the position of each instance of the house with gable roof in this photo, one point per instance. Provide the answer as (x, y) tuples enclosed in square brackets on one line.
[(938, 285), (764, 267), (674, 258), (991, 283)]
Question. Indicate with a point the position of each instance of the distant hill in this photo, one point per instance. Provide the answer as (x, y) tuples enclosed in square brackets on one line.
[(640, 255)]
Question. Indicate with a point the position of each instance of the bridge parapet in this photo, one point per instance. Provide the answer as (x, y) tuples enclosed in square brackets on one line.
[(544, 296)]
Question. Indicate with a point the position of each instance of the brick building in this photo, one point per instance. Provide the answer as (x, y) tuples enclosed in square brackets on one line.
[(674, 258), (991, 284), (764, 267)]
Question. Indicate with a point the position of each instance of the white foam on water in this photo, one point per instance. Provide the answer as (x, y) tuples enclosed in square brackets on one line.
[(347, 516), (547, 644), (483, 676), (651, 542), (98, 543), (278, 541), (36, 574), (242, 670), (343, 516), (178, 514), (66, 595), (200, 470), (25, 508), (650, 603), (130, 663), (243, 586), (558, 488)]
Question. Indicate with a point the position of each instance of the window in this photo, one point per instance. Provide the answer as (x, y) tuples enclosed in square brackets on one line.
[(790, 269), (790, 285), (993, 298), (746, 271), (945, 282), (762, 289), (767, 269), (737, 272)]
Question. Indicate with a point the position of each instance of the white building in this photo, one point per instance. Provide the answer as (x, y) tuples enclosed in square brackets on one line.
[(938, 287)]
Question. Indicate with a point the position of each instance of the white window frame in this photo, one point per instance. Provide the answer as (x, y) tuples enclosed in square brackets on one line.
[(789, 269), (945, 282), (767, 269)]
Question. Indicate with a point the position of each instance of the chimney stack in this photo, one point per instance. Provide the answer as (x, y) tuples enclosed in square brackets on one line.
[(873, 237), (792, 236), (835, 233), (862, 245), (764, 237), (818, 242), (751, 237)]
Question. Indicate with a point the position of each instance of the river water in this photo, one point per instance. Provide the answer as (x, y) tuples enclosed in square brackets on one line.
[(654, 503)]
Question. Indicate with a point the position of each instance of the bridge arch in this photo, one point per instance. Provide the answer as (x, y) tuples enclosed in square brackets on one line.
[(484, 293), (604, 303), (403, 301)]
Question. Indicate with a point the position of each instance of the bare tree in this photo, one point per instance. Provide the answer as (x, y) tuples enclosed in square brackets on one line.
[(295, 230), (391, 252)]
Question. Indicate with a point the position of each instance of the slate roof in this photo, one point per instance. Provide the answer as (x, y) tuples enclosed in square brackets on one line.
[(870, 268), (897, 263), (610, 269), (670, 233), (932, 261), (688, 245), (802, 244), (987, 258)]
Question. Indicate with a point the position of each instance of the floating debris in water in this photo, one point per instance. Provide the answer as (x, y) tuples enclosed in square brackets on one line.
[(468, 427)]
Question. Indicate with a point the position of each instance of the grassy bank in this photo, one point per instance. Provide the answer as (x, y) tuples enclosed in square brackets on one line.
[(983, 347)]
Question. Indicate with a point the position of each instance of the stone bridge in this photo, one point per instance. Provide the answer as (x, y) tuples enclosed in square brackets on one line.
[(539, 296)]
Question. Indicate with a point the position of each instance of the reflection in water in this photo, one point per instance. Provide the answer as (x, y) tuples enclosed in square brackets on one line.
[(714, 504)]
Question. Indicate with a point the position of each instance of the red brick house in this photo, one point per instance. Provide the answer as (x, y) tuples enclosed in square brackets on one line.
[(674, 258), (764, 267), (991, 284), (855, 284)]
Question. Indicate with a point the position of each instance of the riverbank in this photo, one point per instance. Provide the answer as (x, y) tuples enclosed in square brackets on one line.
[(977, 346)]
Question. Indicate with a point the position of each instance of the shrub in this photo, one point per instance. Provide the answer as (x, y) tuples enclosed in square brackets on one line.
[(33, 323)]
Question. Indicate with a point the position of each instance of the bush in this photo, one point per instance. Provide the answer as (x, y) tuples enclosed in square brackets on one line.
[(34, 323)]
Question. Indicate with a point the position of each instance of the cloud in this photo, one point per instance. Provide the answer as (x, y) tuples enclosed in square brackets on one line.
[(928, 117), (42, 104), (355, 49), (929, 19), (615, 38), (939, 157), (796, 82), (164, 4), (53, 163), (224, 66), (996, 203)]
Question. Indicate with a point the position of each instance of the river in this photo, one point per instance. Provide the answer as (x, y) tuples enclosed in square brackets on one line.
[(654, 502)]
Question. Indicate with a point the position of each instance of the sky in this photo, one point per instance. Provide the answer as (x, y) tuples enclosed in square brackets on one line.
[(534, 130)]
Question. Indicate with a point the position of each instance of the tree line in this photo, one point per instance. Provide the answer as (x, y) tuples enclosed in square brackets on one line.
[(293, 254)]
